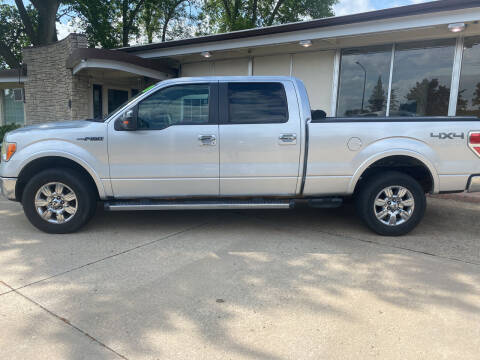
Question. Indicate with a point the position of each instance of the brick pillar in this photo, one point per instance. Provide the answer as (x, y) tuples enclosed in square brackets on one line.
[(52, 93)]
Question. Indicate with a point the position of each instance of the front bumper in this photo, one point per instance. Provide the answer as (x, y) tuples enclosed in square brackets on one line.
[(7, 186), (473, 184)]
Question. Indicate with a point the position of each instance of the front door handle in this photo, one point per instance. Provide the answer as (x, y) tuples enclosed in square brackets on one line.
[(288, 139), (207, 140)]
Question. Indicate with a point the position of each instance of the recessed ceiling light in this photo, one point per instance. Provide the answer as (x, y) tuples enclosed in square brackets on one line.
[(305, 43), (457, 27), (206, 54)]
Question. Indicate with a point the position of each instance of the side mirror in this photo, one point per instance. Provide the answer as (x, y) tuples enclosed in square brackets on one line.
[(128, 121)]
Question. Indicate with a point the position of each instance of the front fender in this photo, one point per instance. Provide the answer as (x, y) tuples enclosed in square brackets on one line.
[(397, 146), (93, 160)]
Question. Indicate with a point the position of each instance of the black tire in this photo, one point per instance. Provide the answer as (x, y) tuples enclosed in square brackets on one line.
[(373, 187), (85, 195)]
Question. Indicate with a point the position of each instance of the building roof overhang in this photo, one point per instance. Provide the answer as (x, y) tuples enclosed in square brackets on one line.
[(89, 58), (388, 20), (13, 76)]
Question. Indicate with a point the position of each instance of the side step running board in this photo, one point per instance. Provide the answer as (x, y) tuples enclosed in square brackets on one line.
[(197, 205)]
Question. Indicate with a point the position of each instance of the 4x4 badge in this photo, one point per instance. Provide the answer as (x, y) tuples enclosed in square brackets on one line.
[(451, 136)]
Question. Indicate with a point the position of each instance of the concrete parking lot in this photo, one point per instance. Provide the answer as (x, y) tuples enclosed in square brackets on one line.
[(303, 284)]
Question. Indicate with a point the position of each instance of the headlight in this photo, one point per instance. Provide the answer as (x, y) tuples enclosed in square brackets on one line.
[(8, 149)]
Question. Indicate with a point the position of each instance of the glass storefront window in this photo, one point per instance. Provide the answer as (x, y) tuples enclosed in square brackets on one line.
[(13, 107), (469, 90), (363, 86), (422, 75)]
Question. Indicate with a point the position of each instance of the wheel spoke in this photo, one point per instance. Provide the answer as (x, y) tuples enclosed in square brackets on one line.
[(389, 192), (47, 215), (404, 215), (408, 202), (41, 203), (46, 191), (393, 219), (70, 209), (70, 196), (60, 218), (58, 188), (401, 192), (382, 214), (380, 202)]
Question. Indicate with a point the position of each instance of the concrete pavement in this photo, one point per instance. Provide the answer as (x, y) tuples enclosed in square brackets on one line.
[(303, 284)]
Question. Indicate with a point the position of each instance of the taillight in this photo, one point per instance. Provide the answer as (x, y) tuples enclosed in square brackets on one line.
[(474, 142)]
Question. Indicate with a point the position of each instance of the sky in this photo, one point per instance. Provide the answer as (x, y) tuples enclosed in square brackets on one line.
[(344, 7)]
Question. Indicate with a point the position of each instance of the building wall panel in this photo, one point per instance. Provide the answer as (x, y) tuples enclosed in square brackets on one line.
[(276, 65), (315, 69)]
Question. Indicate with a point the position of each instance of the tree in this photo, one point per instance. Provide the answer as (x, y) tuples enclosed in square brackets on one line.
[(97, 19), (378, 99), (230, 15), (26, 25), (12, 37), (476, 94), (157, 16), (104, 19), (43, 31), (429, 97)]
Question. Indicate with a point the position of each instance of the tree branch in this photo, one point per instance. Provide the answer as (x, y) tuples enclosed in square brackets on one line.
[(8, 56), (274, 12), (26, 21), (226, 5), (134, 13)]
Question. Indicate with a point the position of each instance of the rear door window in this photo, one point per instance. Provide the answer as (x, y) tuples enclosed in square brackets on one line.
[(257, 103)]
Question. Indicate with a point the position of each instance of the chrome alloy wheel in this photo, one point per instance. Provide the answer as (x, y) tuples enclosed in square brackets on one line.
[(56, 203), (394, 205)]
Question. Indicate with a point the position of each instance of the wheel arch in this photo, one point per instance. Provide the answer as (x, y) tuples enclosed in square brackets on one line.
[(410, 162), (40, 163)]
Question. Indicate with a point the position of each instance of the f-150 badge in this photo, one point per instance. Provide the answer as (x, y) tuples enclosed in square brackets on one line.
[(89, 138), (444, 136)]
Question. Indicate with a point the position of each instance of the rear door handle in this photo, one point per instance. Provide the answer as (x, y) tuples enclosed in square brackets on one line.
[(288, 139), (207, 140)]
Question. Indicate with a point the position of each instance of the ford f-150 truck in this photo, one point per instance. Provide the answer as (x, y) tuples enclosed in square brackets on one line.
[(237, 143)]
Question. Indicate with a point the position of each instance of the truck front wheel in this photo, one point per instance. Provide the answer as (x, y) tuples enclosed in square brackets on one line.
[(58, 201), (391, 203)]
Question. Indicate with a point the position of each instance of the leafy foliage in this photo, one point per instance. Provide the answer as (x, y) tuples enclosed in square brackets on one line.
[(12, 36), (231, 15), (5, 129)]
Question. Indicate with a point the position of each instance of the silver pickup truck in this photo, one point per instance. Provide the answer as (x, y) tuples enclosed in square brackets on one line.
[(237, 143)]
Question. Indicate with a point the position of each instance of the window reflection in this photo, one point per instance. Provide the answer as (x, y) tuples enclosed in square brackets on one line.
[(363, 87), (250, 103), (422, 75), (175, 105), (469, 94)]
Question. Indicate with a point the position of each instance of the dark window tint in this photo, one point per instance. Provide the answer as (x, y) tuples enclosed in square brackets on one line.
[(257, 103), (363, 87), (422, 76), (135, 92), (175, 105), (116, 98), (469, 94), (97, 102)]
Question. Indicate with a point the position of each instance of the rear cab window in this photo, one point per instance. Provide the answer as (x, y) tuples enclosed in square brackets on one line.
[(256, 103)]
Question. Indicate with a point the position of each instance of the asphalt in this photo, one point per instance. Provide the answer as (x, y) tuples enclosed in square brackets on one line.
[(301, 284)]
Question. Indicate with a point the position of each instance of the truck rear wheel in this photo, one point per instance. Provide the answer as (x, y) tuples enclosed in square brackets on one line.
[(58, 201), (391, 204)]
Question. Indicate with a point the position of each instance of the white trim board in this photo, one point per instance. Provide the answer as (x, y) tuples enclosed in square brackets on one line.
[(117, 65)]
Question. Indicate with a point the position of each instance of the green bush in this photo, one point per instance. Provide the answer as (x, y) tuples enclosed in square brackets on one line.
[(6, 128)]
